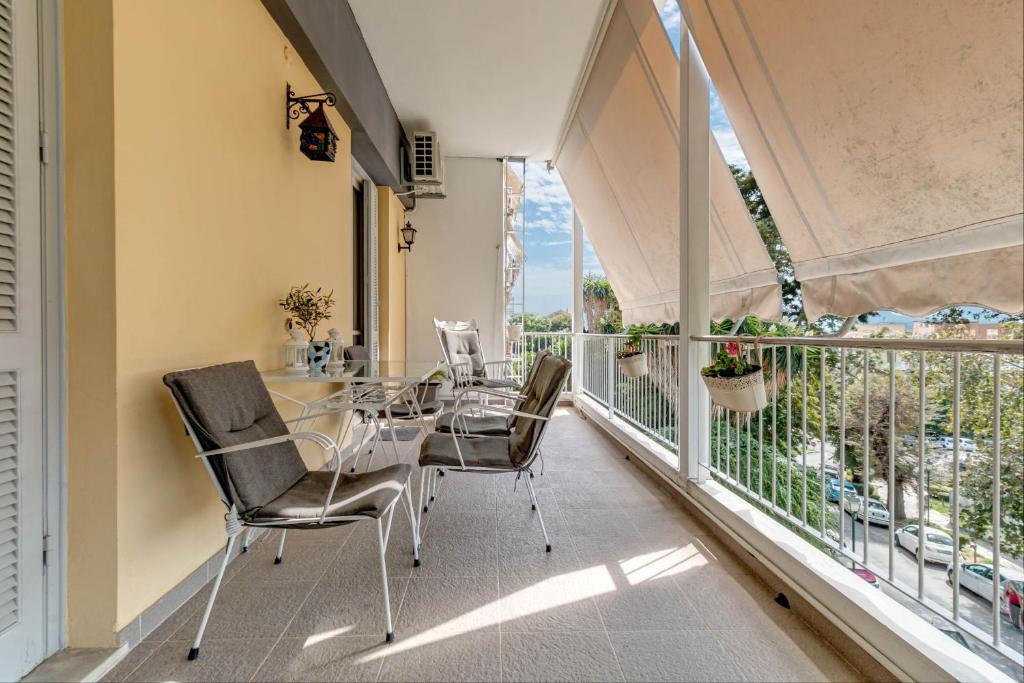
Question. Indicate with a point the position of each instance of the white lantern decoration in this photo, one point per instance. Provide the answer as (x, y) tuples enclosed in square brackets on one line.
[(337, 363), (295, 352)]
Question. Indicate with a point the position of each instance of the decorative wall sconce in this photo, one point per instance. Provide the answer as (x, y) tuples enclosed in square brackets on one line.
[(408, 236), (318, 140)]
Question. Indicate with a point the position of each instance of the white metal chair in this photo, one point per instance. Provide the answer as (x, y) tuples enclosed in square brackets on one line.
[(462, 350), (461, 451), (256, 468)]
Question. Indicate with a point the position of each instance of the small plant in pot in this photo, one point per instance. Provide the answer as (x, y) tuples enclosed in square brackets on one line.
[(733, 382), (308, 308), (427, 392), (633, 361)]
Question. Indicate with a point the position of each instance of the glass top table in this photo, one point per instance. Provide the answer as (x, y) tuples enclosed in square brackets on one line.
[(405, 371)]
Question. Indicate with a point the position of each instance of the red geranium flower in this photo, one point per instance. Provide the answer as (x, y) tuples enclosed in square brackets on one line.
[(732, 348)]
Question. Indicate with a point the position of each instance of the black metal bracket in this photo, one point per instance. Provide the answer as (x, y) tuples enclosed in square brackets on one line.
[(296, 106), (407, 247)]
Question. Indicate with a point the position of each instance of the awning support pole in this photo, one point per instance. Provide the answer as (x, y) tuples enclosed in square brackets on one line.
[(694, 412)]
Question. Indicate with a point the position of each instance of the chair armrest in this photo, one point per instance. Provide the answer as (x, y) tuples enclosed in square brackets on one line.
[(498, 393), (462, 427), (321, 440)]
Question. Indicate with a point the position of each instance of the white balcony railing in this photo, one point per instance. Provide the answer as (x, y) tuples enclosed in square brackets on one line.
[(783, 458)]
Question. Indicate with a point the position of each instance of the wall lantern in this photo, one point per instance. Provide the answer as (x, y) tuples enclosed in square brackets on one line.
[(408, 236), (318, 140)]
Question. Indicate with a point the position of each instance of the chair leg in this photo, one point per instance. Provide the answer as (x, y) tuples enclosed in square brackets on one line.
[(407, 503), (376, 442), (362, 442), (248, 538), (280, 548), (193, 653), (390, 634), (394, 435), (426, 478), (533, 497)]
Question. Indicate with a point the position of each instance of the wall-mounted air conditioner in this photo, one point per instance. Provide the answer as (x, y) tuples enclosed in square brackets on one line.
[(426, 167)]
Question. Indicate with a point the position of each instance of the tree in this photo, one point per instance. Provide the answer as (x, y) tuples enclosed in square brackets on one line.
[(792, 299), (600, 307), (977, 406), (560, 321)]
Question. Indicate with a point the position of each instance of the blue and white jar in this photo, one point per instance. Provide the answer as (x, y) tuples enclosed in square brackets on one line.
[(318, 353)]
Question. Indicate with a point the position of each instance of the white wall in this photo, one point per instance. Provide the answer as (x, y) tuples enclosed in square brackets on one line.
[(452, 272)]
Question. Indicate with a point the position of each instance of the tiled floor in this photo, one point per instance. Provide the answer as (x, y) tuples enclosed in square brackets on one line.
[(634, 589)]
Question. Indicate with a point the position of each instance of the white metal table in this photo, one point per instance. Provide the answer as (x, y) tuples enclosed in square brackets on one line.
[(370, 387)]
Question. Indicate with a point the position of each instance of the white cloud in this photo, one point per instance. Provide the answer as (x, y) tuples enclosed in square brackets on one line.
[(730, 146)]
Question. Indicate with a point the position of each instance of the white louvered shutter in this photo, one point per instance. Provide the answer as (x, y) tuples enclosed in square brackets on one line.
[(8, 499), (8, 241), (373, 272), (23, 573)]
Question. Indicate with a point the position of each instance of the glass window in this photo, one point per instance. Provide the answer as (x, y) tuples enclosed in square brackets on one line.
[(941, 540)]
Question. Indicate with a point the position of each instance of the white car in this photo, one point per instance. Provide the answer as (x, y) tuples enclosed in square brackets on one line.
[(938, 545), (966, 444), (877, 512), (977, 578)]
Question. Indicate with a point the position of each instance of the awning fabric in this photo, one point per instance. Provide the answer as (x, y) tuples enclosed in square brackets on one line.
[(888, 140), (620, 163)]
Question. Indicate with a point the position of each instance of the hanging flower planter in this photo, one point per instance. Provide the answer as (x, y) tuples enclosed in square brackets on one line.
[(734, 383), (635, 365), (633, 361)]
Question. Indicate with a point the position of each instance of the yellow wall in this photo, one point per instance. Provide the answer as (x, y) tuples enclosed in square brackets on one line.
[(212, 214), (391, 275), (91, 320)]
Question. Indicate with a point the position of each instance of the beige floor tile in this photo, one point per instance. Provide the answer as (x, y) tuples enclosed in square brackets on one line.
[(341, 658), (449, 606), (248, 609), (467, 657), (347, 609), (566, 656), (219, 660), (671, 656), (560, 602)]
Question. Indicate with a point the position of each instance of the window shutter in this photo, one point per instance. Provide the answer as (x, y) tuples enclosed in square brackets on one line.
[(8, 499), (8, 243)]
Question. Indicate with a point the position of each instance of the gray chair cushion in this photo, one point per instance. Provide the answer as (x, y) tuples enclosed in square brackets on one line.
[(487, 425), (488, 383), (366, 495), (404, 410), (227, 405), (545, 388), (463, 347), (356, 352), (485, 451)]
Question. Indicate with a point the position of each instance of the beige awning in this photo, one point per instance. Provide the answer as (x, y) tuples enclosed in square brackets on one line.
[(888, 140), (620, 163)]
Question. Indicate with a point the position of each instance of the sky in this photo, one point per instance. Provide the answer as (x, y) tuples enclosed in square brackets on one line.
[(548, 210)]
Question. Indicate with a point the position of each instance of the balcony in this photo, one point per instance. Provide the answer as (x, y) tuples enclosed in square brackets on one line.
[(635, 588)]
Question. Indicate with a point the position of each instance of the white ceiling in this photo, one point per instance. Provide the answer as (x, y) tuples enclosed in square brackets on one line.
[(492, 77)]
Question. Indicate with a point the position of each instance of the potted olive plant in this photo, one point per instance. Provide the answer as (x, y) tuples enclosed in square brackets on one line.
[(308, 308), (427, 391), (733, 382), (633, 361)]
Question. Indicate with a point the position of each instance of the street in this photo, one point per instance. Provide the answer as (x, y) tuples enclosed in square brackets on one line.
[(974, 609)]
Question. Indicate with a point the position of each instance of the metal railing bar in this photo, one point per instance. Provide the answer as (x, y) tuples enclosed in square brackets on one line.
[(955, 512), (891, 475), (1000, 346), (775, 434), (789, 430), (803, 442), (921, 533), (996, 493), (821, 426), (866, 498), (841, 474)]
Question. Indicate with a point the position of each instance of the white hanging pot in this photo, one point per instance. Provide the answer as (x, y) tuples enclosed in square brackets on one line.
[(744, 394), (514, 332), (635, 365)]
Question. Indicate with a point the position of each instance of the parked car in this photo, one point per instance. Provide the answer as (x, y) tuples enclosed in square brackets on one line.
[(867, 576), (833, 490), (852, 503), (877, 512), (977, 578), (966, 444), (938, 545)]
